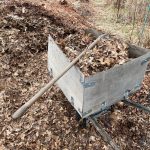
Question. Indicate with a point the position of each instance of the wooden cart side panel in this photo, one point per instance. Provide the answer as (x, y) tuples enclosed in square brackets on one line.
[(136, 51), (70, 82), (111, 85)]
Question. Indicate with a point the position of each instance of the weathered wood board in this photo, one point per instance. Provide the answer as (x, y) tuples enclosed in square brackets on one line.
[(70, 82), (91, 94)]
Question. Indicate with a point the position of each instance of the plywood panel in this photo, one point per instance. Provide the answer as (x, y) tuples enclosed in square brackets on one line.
[(112, 84), (70, 82)]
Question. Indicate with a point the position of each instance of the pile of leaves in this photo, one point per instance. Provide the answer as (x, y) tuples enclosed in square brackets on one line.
[(50, 124), (109, 52)]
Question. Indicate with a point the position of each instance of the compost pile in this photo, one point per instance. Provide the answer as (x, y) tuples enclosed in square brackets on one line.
[(50, 123)]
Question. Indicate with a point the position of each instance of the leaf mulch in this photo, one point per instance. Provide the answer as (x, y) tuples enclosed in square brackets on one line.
[(50, 123), (108, 53)]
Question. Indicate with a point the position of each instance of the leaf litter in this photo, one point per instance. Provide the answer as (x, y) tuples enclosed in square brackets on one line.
[(50, 123), (108, 53)]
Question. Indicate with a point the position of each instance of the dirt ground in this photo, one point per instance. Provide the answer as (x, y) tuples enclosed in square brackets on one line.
[(50, 123)]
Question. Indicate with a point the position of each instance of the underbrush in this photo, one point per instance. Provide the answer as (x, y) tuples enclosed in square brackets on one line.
[(135, 14)]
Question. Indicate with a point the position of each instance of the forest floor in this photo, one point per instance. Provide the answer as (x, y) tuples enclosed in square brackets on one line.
[(50, 123), (103, 16)]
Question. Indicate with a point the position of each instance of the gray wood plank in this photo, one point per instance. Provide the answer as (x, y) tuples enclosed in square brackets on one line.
[(112, 84), (136, 51), (70, 82)]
